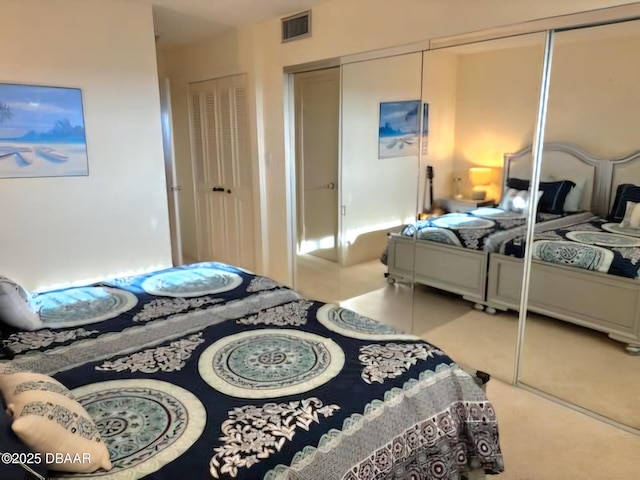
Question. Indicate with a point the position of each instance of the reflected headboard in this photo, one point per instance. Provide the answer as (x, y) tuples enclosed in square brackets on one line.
[(617, 171), (563, 161)]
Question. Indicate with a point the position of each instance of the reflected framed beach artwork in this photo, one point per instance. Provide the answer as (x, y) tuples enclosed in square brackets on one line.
[(398, 129), (42, 132)]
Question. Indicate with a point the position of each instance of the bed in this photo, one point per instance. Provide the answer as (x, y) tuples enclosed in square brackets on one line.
[(578, 264), (452, 252), (210, 371)]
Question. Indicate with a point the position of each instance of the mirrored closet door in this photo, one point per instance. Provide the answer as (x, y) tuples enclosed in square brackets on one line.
[(583, 327), (317, 152), (357, 153), (482, 103), (381, 139)]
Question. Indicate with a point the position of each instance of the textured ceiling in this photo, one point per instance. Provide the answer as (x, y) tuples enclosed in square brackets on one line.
[(182, 21)]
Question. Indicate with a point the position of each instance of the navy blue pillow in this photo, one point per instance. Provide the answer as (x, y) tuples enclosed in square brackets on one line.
[(626, 192), (10, 443), (553, 196), (518, 183)]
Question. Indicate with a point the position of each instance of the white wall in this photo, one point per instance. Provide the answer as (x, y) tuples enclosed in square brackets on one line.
[(378, 193), (56, 230)]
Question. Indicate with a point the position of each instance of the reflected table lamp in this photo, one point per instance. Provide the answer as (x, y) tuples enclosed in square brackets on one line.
[(480, 178)]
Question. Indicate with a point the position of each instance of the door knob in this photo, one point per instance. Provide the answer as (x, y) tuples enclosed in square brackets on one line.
[(228, 191), (331, 186)]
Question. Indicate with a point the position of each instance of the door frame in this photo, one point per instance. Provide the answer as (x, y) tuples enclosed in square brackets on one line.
[(171, 175), (291, 172)]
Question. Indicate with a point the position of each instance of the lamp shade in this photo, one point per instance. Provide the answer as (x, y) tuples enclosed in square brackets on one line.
[(480, 175)]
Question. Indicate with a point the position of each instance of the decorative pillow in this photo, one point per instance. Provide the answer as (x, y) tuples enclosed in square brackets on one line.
[(631, 216), (518, 183), (51, 423), (554, 195), (9, 443), (12, 384), (516, 200), (14, 307), (626, 192)]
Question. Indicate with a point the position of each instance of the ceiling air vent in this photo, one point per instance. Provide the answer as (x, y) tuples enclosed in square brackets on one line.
[(296, 26)]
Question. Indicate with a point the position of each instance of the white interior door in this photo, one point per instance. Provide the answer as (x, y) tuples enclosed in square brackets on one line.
[(222, 171), (236, 172), (317, 104)]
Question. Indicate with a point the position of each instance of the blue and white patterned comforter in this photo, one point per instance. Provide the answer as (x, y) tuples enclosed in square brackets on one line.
[(485, 229), (207, 371), (595, 244)]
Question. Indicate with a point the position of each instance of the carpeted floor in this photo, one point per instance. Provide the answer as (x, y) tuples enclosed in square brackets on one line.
[(542, 440), (575, 364)]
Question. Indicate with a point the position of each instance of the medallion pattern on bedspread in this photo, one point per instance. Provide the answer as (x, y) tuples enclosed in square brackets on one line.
[(472, 238), (392, 360), (191, 282), (83, 305), (169, 358), (144, 423), (163, 307), (259, 284), (351, 324), (589, 257), (604, 239), (631, 254), (616, 228), (23, 341), (253, 433), (440, 235), (289, 314), (270, 363)]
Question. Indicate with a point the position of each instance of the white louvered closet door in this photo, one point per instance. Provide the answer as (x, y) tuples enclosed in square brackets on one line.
[(222, 171)]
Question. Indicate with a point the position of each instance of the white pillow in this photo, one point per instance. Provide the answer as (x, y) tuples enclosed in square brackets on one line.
[(59, 428), (631, 216), (14, 306), (574, 197), (516, 200)]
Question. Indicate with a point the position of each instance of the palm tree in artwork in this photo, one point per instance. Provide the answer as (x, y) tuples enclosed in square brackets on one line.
[(5, 112)]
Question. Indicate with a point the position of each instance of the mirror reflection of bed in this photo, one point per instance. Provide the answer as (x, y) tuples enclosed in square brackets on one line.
[(583, 327), (591, 104)]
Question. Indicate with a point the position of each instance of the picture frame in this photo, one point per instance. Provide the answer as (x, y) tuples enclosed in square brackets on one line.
[(42, 132), (398, 129)]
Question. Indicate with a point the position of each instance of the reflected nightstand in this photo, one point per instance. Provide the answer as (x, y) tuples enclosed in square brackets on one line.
[(467, 204)]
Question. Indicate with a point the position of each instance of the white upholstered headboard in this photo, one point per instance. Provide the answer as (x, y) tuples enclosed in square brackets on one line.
[(562, 161), (617, 171)]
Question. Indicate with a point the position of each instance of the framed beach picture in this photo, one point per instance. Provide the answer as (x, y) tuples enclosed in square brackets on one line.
[(41, 132), (398, 129)]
